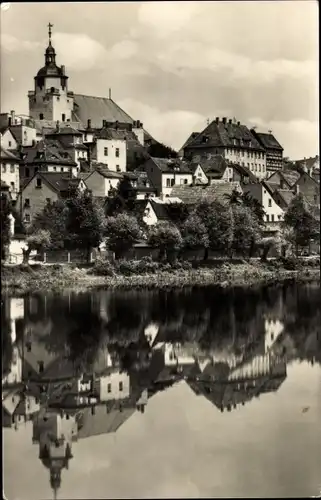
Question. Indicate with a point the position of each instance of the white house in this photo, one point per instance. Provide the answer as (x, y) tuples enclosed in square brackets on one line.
[(10, 173), (113, 385), (264, 194), (101, 180), (109, 148), (8, 141), (165, 173), (273, 329)]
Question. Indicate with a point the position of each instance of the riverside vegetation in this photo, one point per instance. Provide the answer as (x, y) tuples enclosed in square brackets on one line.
[(233, 228)]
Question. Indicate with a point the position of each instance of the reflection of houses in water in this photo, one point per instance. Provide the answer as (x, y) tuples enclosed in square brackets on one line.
[(229, 388), (15, 374), (18, 406), (54, 432), (16, 312), (273, 330)]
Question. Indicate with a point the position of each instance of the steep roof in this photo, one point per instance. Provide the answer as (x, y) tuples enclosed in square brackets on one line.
[(218, 134), (268, 141), (160, 210), (190, 139), (102, 422), (118, 134), (8, 156), (212, 167), (313, 161), (98, 109), (49, 151), (285, 194), (244, 171), (58, 181), (167, 165), (64, 130), (105, 172), (291, 176), (195, 194)]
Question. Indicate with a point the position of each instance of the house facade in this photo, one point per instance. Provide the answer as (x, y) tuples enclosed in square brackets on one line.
[(274, 214), (8, 140), (274, 150), (109, 148), (101, 180), (166, 173), (233, 141), (10, 171)]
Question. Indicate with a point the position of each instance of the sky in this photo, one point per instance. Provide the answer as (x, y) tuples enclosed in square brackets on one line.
[(183, 447), (174, 65)]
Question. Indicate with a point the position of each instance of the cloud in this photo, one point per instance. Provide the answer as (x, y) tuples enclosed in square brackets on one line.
[(167, 17), (10, 43), (79, 52)]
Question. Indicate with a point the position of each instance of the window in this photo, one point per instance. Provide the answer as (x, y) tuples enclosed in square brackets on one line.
[(117, 152), (27, 202), (109, 388), (55, 169), (4, 168), (58, 98), (63, 117), (9, 142), (270, 202), (172, 182), (105, 151), (168, 183), (185, 181), (267, 217), (61, 169), (27, 218), (279, 217), (120, 386), (39, 183), (12, 186), (272, 218), (48, 200), (41, 116), (118, 168), (41, 366)]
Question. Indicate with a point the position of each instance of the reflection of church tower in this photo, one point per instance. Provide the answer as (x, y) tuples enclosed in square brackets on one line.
[(54, 433), (50, 99)]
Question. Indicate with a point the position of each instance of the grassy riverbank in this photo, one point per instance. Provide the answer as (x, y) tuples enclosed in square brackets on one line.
[(23, 279)]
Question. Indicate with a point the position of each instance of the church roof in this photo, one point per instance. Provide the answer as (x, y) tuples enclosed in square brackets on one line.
[(98, 109)]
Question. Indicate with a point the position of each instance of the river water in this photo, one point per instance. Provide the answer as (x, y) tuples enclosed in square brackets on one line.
[(194, 393)]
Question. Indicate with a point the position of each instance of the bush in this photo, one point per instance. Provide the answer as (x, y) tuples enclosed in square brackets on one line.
[(182, 265), (291, 263), (102, 268)]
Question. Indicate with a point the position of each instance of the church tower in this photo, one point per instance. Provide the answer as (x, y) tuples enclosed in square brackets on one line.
[(50, 99)]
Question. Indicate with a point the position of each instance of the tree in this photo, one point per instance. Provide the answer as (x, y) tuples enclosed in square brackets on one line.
[(218, 220), (38, 240), (122, 232), (178, 213), (246, 230), (159, 150), (255, 206), (53, 218), (167, 238), (85, 222), (5, 224), (123, 198), (194, 233), (234, 198), (303, 225)]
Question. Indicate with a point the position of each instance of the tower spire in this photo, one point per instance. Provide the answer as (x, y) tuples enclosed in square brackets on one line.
[(49, 32)]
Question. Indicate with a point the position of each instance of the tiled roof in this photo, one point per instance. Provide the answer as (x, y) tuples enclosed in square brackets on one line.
[(285, 194), (308, 162), (291, 176), (195, 194), (268, 141), (47, 150), (98, 109), (50, 125), (218, 134), (8, 156), (213, 167), (244, 171), (103, 170), (102, 422), (118, 134), (160, 210), (58, 180), (65, 130), (166, 165), (190, 139)]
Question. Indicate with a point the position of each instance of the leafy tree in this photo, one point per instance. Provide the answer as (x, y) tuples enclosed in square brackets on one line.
[(178, 213), (167, 238), (194, 233), (38, 240), (218, 220), (246, 230), (303, 225), (234, 198), (7, 348), (122, 232), (123, 198), (53, 218), (5, 224), (85, 222), (159, 150), (254, 205)]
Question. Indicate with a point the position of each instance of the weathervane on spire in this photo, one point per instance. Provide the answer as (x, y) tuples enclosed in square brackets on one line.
[(49, 31)]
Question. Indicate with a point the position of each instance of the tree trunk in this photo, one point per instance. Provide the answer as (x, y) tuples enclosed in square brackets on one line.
[(205, 257), (26, 255)]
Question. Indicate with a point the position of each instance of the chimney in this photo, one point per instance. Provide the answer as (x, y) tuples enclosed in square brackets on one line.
[(116, 125), (224, 119), (217, 119), (104, 123), (12, 113), (238, 123), (9, 121), (141, 125), (230, 121), (89, 123), (109, 93)]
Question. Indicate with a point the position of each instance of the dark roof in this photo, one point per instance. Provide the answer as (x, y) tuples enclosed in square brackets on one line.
[(98, 109), (8, 156), (268, 141), (118, 134), (218, 134), (103, 170), (291, 176), (102, 422), (190, 139), (213, 167), (56, 180), (166, 165), (160, 209), (244, 171), (286, 196), (195, 194), (47, 151), (64, 130), (307, 162)]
